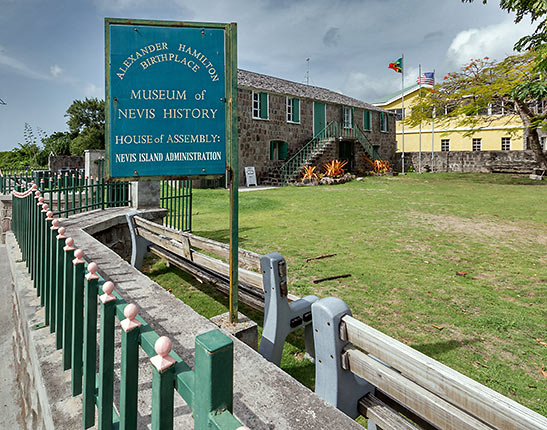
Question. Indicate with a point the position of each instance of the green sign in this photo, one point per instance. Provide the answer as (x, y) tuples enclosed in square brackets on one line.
[(167, 87)]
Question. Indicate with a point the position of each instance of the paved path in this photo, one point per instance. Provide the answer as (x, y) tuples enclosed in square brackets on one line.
[(9, 390), (258, 188)]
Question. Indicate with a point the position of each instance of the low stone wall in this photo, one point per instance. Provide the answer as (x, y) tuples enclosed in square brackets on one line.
[(5, 216), (56, 162), (472, 161), (46, 401)]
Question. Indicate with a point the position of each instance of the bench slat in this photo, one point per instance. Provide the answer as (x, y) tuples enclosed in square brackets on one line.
[(247, 259), (252, 278), (243, 296), (385, 417), (483, 402), (424, 403)]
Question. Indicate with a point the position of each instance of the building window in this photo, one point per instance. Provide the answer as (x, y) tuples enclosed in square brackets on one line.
[(384, 121), (366, 120), (347, 116), (445, 145), (543, 141), (506, 144), (477, 143), (260, 105), (293, 110), (278, 150), (399, 113)]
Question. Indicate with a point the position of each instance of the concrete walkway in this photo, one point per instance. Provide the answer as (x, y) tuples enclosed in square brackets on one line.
[(257, 188), (10, 394)]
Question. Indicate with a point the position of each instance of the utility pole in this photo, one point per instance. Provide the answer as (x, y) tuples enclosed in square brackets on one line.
[(308, 71)]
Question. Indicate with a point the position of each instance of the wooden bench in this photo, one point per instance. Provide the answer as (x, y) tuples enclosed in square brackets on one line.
[(358, 366), (181, 249), (262, 282)]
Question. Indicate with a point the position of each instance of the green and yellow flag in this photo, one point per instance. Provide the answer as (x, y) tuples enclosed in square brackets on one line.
[(397, 65)]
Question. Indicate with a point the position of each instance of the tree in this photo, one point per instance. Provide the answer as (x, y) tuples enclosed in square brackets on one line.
[(512, 85), (86, 125)]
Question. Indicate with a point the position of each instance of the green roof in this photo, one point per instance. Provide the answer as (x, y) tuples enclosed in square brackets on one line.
[(396, 95)]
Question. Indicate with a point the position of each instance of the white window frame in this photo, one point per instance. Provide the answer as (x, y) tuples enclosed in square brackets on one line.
[(256, 105), (348, 117), (445, 145), (290, 110), (506, 144), (476, 141)]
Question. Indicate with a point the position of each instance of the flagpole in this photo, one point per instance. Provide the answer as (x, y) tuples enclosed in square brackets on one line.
[(403, 111), (433, 130), (420, 129)]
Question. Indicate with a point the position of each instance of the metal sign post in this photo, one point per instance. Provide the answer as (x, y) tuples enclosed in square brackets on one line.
[(171, 107)]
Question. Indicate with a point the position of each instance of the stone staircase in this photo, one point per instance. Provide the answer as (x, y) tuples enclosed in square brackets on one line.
[(273, 176)]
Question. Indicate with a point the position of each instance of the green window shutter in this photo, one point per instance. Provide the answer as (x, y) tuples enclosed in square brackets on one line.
[(272, 150), (296, 110), (283, 150), (352, 115), (366, 120), (264, 105)]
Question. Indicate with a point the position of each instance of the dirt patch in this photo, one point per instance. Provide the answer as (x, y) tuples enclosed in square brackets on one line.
[(476, 227)]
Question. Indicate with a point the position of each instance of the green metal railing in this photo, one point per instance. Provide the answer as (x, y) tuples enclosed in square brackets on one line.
[(69, 194), (9, 177), (305, 154), (176, 197), (70, 298), (365, 143), (333, 130)]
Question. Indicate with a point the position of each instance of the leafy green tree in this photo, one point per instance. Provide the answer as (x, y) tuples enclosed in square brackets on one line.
[(90, 138), (513, 85), (86, 125), (58, 143)]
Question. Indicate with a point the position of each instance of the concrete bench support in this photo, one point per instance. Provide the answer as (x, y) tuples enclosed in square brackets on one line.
[(333, 381), (139, 245), (282, 317)]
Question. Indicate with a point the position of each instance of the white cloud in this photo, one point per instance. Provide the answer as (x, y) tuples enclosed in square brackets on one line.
[(19, 67), (92, 90), (370, 89), (55, 70), (495, 41)]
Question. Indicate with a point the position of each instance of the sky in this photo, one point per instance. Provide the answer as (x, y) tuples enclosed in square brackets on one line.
[(52, 51)]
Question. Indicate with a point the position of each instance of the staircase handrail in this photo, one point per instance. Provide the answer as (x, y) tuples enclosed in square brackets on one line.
[(298, 158), (365, 143)]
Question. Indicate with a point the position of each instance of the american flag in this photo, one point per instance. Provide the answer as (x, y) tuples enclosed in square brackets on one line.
[(427, 78)]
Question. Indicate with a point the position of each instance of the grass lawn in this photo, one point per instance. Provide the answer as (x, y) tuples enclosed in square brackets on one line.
[(404, 239)]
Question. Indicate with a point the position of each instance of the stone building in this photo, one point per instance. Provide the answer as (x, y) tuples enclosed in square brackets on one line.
[(277, 118)]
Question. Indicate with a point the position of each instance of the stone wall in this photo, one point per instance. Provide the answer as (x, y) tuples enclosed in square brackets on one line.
[(91, 157), (56, 162), (255, 135), (473, 161), (5, 216), (31, 411)]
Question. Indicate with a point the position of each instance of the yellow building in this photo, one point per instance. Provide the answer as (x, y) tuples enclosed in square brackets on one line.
[(502, 131)]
